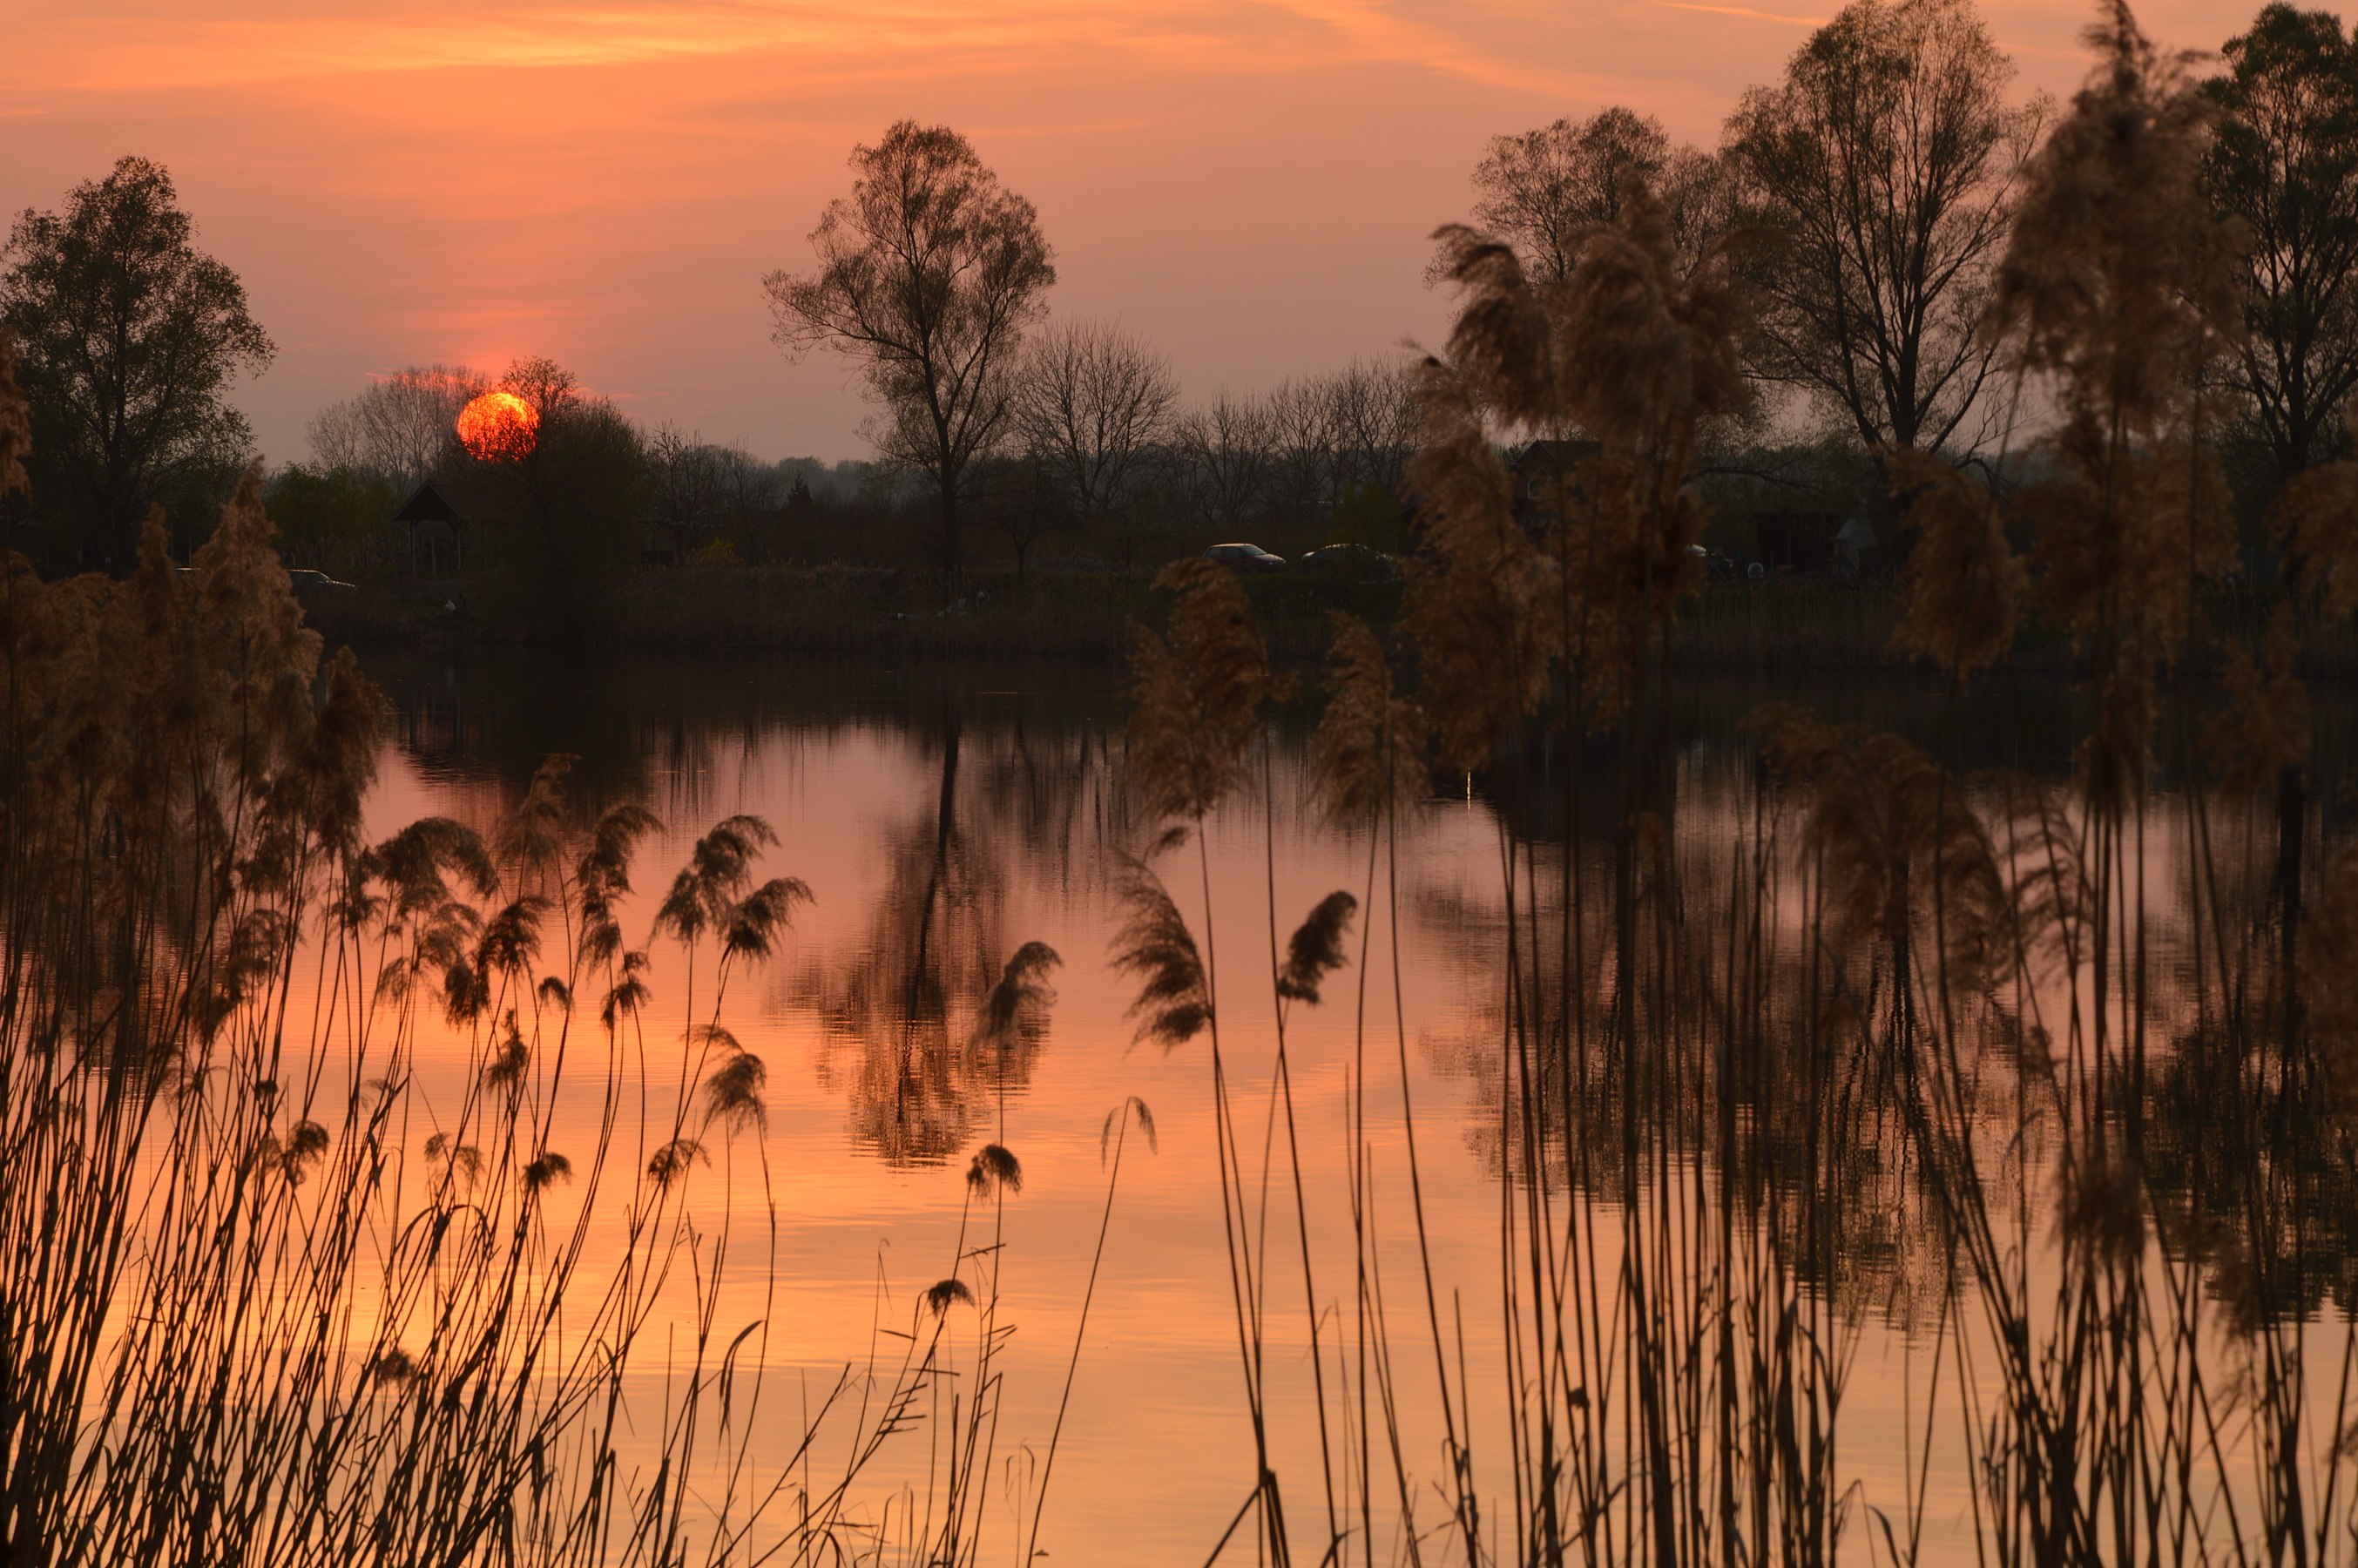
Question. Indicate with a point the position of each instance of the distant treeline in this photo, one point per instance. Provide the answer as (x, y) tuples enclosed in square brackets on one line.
[(1861, 202), (1318, 459)]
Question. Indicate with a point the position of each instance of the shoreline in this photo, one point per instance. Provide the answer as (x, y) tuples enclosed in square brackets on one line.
[(844, 610)]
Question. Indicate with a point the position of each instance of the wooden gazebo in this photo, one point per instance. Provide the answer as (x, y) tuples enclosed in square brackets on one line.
[(437, 527)]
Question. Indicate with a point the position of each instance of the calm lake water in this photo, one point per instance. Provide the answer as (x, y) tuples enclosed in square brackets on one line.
[(945, 814)]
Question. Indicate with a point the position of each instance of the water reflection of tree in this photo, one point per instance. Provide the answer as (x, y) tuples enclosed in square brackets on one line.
[(1023, 788), (1816, 1132), (653, 724), (897, 1008), (1054, 791), (2249, 1167), (2250, 1163), (899, 1003)]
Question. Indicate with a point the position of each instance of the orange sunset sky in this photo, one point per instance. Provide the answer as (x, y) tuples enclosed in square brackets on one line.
[(1246, 182)]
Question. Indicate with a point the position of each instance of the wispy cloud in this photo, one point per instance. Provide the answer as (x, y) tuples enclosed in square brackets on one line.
[(1370, 32), (89, 52), (1745, 11)]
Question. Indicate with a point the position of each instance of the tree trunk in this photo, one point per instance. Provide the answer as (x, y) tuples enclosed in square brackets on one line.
[(947, 479), (2292, 814)]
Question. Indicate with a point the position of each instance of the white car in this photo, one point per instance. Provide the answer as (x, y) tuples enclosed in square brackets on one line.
[(1245, 558)]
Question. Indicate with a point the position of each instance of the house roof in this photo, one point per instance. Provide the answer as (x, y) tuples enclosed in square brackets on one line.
[(1554, 457), (444, 500)]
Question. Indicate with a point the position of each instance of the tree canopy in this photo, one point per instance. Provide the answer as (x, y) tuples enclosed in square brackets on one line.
[(1888, 161), (131, 337), (929, 272), (1092, 403), (566, 512), (1545, 191), (2284, 161)]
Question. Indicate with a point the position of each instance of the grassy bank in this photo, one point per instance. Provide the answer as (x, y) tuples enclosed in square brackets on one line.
[(852, 610), (1814, 626)]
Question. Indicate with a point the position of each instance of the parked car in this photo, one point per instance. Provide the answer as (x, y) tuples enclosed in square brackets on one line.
[(1354, 563), (307, 579), (1246, 559)]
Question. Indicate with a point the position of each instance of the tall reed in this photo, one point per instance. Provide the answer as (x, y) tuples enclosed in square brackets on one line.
[(2044, 1077), (361, 1203)]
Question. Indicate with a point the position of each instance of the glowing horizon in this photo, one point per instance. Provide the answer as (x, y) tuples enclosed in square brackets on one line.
[(1247, 183)]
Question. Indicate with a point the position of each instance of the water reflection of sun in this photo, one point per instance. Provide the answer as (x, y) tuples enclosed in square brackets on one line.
[(499, 426)]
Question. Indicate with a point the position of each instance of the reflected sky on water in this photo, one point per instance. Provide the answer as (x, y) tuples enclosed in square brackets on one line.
[(943, 814)]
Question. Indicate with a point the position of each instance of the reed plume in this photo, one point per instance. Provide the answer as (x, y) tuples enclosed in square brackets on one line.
[(2119, 279), (1370, 740), (1136, 1109), (2315, 518), (628, 994), (994, 1169), (1315, 949), (1153, 943), (674, 1160), (1484, 619), (2263, 731), (602, 876), (750, 925), (1633, 350), (1015, 1013), (1196, 698), (718, 872), (534, 832), (1962, 586), (732, 1089), (2054, 896), (546, 1169), (1895, 843), (2118, 287)]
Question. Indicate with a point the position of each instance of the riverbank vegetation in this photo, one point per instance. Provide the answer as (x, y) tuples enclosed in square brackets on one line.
[(2058, 1073), (365, 1201), (2052, 1074)]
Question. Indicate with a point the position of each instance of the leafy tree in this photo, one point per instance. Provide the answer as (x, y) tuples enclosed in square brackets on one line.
[(2284, 160), (567, 515), (131, 337), (331, 516), (1889, 162), (929, 272)]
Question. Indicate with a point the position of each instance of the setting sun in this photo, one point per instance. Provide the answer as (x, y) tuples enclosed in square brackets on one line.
[(499, 426)]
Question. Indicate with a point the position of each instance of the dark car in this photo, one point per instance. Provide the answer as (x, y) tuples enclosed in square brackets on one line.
[(1354, 563), (1245, 558)]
